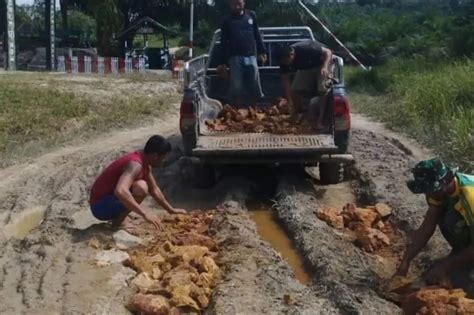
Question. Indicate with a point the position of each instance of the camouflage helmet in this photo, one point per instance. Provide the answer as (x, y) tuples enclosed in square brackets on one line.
[(430, 176)]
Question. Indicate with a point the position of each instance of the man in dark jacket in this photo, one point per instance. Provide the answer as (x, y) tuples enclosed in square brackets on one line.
[(241, 42)]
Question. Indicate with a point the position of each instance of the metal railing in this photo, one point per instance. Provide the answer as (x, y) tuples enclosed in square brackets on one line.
[(195, 68)]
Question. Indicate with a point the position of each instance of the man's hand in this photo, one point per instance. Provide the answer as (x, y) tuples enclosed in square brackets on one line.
[(438, 275), (262, 58), (325, 72), (222, 71), (153, 219), (177, 211)]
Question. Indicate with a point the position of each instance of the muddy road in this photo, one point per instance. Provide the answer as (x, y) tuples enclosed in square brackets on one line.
[(47, 261)]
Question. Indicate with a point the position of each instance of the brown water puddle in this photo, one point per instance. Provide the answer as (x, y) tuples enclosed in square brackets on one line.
[(270, 230), (26, 221)]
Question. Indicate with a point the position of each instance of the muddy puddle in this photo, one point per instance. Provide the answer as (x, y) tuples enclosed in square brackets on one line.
[(271, 231), (22, 225)]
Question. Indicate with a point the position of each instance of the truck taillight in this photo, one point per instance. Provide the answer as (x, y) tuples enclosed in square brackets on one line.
[(342, 106), (187, 116), (187, 109)]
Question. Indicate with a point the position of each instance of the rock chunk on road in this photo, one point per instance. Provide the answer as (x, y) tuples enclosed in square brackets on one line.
[(124, 240), (109, 257), (371, 240), (331, 216), (383, 209), (144, 283), (436, 300), (147, 304)]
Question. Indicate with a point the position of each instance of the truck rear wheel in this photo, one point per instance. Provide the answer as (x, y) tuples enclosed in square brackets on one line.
[(189, 143), (331, 173), (204, 176)]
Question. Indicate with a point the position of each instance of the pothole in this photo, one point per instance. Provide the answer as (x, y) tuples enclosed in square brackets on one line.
[(270, 230), (25, 222)]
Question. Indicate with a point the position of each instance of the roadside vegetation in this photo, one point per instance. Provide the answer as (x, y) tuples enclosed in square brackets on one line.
[(434, 104), (38, 110)]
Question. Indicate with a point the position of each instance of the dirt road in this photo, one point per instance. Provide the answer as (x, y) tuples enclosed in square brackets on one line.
[(47, 265)]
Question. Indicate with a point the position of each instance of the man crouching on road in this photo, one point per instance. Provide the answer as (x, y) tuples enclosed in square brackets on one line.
[(125, 183), (450, 197)]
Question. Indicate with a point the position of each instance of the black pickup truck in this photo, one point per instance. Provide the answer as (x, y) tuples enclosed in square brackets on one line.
[(205, 92)]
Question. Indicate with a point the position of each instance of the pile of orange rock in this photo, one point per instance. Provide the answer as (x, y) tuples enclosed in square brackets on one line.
[(436, 300), (415, 298), (177, 271), (368, 226), (272, 119)]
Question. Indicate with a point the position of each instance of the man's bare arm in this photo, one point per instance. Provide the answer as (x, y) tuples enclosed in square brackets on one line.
[(326, 57), (158, 195), (420, 238), (122, 190)]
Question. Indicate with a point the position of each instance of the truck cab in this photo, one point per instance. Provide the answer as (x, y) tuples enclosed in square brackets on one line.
[(205, 93)]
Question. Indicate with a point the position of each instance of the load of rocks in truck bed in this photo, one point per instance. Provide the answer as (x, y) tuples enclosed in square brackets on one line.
[(367, 227), (269, 119)]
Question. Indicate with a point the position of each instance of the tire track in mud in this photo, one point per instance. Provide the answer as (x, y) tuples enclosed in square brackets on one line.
[(341, 272), (256, 278)]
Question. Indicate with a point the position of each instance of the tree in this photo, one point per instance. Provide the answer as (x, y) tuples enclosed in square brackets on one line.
[(64, 6), (3, 17)]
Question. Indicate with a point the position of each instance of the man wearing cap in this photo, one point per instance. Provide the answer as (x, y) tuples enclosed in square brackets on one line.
[(450, 198)]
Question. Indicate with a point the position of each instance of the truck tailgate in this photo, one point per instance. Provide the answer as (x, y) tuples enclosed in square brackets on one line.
[(264, 144)]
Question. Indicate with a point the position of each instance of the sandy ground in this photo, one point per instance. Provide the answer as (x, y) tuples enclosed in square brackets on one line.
[(45, 226)]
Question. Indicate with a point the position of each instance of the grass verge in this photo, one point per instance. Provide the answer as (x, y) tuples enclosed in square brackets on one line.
[(431, 102), (40, 111)]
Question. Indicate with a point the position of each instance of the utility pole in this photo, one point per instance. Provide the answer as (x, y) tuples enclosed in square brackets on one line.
[(50, 17), (11, 48), (331, 34), (191, 29)]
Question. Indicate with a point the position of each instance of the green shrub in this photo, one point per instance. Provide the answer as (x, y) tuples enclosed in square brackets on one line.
[(432, 101)]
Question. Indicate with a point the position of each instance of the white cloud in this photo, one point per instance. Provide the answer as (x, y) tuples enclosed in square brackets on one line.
[(30, 2), (20, 2)]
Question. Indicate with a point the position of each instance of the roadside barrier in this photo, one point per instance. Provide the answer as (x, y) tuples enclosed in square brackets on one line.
[(100, 65)]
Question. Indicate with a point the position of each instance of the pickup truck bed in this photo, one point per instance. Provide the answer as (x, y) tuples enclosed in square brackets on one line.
[(205, 93)]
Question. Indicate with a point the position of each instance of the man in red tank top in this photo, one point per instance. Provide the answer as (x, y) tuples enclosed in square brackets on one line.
[(125, 183)]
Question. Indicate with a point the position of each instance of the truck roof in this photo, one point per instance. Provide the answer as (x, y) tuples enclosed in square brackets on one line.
[(271, 36), (279, 34)]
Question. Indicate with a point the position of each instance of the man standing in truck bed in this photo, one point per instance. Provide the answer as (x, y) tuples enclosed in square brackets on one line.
[(240, 43), (311, 62)]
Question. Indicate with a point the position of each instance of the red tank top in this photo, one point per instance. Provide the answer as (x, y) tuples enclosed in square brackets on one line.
[(107, 181)]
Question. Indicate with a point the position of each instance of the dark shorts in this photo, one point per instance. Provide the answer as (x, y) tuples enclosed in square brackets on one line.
[(107, 208)]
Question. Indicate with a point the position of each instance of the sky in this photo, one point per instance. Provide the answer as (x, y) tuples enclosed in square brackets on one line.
[(20, 2)]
